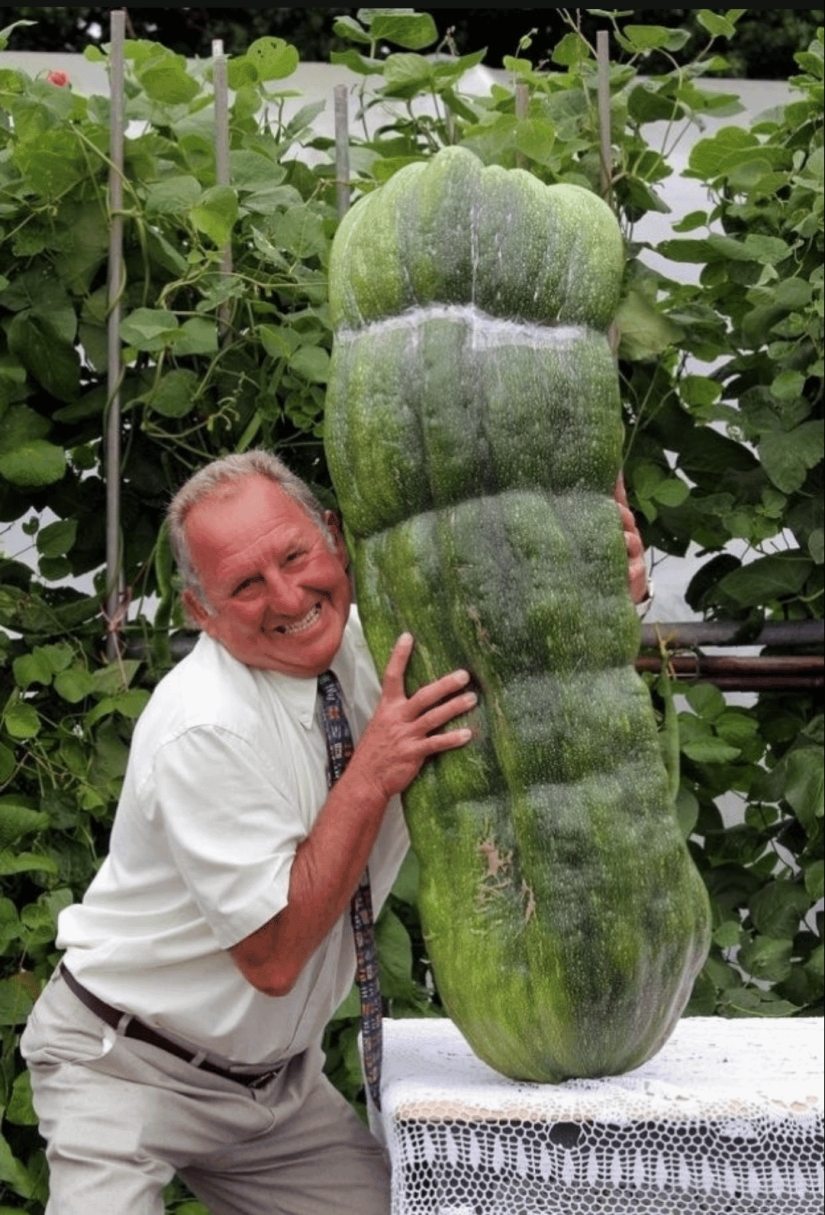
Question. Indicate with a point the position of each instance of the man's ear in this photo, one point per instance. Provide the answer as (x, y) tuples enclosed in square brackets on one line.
[(196, 611), (335, 530)]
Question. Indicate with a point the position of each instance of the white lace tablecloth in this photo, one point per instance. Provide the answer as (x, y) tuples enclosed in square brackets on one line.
[(727, 1118)]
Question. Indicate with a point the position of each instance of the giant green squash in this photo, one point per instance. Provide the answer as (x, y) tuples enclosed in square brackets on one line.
[(474, 436)]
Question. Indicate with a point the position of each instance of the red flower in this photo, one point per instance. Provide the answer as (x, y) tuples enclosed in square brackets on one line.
[(59, 78)]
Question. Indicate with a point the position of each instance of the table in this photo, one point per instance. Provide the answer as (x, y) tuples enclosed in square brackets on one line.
[(727, 1118)]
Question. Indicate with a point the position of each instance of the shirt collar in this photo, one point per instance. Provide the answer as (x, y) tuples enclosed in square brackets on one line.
[(300, 695)]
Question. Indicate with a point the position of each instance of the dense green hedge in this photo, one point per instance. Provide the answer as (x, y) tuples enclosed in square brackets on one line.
[(722, 390)]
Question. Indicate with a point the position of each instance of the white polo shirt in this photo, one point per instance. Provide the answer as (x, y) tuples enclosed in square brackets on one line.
[(226, 774)]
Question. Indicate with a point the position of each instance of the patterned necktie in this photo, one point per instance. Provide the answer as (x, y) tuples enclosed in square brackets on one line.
[(339, 751)]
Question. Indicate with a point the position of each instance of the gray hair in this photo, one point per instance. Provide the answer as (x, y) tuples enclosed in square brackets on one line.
[(219, 479)]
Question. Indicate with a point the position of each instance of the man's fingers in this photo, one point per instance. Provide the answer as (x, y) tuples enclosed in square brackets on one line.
[(619, 493), (443, 713), (438, 690), (393, 681), (446, 742)]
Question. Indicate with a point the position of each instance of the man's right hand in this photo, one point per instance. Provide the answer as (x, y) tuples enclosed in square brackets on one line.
[(400, 735)]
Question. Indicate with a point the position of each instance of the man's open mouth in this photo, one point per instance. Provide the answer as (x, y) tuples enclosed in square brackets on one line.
[(300, 626)]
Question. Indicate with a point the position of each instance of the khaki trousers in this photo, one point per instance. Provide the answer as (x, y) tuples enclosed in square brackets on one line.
[(121, 1117)]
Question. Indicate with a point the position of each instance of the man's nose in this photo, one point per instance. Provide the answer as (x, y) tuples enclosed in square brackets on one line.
[(286, 595)]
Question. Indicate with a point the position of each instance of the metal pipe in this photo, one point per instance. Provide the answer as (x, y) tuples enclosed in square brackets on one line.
[(342, 186), (677, 635), (522, 106), (221, 90), (603, 87), (114, 607)]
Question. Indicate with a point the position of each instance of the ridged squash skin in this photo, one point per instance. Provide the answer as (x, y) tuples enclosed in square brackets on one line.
[(473, 432)]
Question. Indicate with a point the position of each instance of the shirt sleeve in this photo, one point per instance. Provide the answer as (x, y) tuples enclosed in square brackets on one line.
[(232, 832)]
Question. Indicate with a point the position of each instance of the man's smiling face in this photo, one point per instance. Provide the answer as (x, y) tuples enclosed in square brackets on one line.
[(279, 592)]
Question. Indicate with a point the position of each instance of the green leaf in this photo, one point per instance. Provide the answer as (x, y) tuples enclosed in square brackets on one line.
[(706, 700), (22, 720), (74, 685), (405, 886), (407, 74), (787, 455), (56, 539), (655, 37), (240, 72), (49, 359), (278, 342), (7, 763), (173, 194), (198, 335), (174, 395), (148, 329), (413, 31), (311, 362), (647, 104), (168, 82), (128, 704), (17, 820), (774, 577), (699, 391), (357, 63), (20, 1110), (645, 331), (32, 668), (776, 909), (349, 29), (572, 49), (671, 491), (394, 956), (710, 751), (767, 958), (115, 677), (273, 58), (250, 170), (18, 425), (727, 934), (12, 1171), (715, 23), (815, 880), (536, 138), (805, 784), (15, 1005), (687, 810), (215, 215), (33, 464), (25, 862)]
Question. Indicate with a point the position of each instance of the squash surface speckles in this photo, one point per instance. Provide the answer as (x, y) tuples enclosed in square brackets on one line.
[(473, 431)]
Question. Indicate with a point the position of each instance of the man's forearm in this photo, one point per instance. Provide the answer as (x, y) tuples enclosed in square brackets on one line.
[(325, 872)]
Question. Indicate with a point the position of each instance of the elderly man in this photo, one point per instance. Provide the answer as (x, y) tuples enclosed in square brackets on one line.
[(182, 1030)]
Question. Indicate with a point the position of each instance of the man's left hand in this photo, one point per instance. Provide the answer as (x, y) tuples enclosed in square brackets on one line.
[(637, 571)]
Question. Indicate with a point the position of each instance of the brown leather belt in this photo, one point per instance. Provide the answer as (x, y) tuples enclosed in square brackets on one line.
[(143, 1033)]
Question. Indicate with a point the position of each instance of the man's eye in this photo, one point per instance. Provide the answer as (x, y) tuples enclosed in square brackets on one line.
[(299, 552)]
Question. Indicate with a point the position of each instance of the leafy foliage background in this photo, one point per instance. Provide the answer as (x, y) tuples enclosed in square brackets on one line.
[(722, 391)]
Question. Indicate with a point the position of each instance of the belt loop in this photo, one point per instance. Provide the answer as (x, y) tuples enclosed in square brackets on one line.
[(123, 1024), (198, 1059)]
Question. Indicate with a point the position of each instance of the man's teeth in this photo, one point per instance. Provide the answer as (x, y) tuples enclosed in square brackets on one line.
[(300, 625)]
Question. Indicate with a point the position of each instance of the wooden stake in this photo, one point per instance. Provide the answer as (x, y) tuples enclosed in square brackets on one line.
[(221, 88), (114, 608), (605, 142), (522, 106), (342, 186)]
